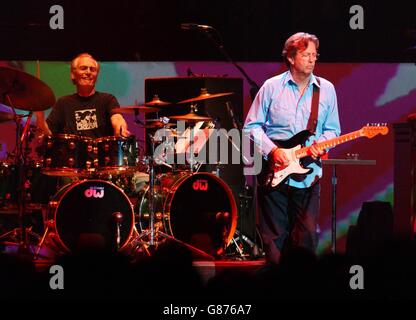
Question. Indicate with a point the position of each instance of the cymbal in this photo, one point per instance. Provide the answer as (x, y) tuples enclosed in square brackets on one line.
[(191, 117), (156, 124), (5, 116), (25, 91), (205, 95), (156, 102), (134, 109)]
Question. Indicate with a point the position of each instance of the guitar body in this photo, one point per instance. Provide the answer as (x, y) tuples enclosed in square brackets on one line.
[(271, 177)]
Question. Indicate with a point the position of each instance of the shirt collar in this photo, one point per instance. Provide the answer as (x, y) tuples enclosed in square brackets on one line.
[(289, 78)]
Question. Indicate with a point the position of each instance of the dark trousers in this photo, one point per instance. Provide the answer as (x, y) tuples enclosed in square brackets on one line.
[(288, 218)]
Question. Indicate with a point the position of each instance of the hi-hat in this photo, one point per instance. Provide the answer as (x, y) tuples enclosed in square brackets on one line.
[(156, 124), (205, 95), (156, 102), (5, 116), (24, 91), (135, 109)]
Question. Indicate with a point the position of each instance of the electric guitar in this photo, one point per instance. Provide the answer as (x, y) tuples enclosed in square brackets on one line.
[(295, 151)]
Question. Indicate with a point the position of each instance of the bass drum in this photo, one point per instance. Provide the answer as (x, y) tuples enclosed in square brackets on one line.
[(92, 215), (198, 209)]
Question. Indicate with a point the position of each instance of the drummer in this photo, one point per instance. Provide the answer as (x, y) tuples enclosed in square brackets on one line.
[(86, 112)]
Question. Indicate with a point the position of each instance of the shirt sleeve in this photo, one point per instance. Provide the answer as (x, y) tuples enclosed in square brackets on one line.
[(331, 127), (256, 121), (112, 104), (56, 119)]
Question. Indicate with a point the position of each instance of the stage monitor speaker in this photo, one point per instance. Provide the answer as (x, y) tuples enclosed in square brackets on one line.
[(225, 111), (373, 230)]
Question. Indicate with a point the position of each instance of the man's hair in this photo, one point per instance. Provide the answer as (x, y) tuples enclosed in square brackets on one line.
[(74, 61), (298, 42)]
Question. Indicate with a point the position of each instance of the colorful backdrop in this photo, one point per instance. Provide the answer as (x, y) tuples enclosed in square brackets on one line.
[(367, 93)]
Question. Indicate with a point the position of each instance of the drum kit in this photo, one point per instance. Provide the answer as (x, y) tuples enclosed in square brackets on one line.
[(92, 212)]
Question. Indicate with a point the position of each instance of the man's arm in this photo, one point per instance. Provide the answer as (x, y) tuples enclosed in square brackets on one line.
[(41, 122), (255, 120)]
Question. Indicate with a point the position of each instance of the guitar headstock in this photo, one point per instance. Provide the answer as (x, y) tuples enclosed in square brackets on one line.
[(371, 130)]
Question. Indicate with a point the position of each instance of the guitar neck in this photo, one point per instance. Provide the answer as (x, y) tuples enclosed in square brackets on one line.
[(304, 152)]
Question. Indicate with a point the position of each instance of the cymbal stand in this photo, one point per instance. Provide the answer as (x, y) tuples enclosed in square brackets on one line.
[(152, 233), (191, 147)]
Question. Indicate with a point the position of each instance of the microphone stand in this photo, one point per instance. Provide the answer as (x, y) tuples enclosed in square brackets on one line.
[(254, 87)]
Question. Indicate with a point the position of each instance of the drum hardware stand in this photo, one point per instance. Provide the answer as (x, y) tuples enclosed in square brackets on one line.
[(240, 239), (191, 144), (118, 217), (245, 248), (20, 154), (153, 231), (42, 240)]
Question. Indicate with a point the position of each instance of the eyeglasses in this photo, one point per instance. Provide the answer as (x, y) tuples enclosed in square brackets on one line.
[(84, 68), (314, 56)]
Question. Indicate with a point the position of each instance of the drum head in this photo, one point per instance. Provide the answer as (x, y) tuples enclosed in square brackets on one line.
[(202, 212), (85, 216)]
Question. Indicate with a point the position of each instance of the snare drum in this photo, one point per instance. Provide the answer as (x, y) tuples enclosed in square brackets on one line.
[(116, 154), (66, 155)]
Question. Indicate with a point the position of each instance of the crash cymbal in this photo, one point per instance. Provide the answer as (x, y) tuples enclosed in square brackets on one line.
[(5, 116), (156, 102), (25, 91), (134, 109), (205, 95), (191, 117)]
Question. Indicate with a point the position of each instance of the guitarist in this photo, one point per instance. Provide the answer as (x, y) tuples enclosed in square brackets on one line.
[(281, 109)]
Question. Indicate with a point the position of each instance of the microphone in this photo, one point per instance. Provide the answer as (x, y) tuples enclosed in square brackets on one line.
[(194, 26)]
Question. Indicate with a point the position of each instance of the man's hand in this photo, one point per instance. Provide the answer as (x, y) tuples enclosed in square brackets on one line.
[(277, 159), (316, 152), (119, 126)]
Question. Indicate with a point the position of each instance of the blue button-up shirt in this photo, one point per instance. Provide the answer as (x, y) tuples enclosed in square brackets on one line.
[(280, 111)]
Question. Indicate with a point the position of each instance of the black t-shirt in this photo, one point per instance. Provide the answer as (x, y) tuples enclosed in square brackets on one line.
[(86, 116)]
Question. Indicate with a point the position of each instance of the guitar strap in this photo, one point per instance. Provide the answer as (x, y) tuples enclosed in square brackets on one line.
[(313, 119)]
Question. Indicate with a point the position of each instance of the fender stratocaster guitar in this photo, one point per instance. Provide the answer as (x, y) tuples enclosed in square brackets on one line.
[(295, 151)]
